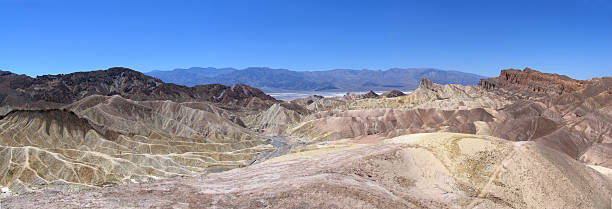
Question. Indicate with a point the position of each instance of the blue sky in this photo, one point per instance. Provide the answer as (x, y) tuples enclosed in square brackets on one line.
[(62, 36)]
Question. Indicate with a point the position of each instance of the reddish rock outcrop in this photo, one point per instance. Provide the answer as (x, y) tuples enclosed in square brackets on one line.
[(533, 80), (571, 116)]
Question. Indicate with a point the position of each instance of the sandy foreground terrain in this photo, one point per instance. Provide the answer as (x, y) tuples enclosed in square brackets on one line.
[(439, 170)]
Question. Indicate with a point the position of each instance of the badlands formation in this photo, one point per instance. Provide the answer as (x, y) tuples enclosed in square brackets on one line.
[(121, 139)]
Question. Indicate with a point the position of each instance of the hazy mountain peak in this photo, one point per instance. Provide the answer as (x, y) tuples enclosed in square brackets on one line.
[(282, 80)]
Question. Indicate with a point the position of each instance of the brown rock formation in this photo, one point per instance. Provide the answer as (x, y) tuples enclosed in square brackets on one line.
[(569, 115), (20, 91), (370, 94), (533, 80), (393, 93)]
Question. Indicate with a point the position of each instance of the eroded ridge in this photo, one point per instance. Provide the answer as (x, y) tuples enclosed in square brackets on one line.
[(59, 150)]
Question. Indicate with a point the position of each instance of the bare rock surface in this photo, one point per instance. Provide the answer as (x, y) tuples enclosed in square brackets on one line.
[(160, 118), (117, 141), (440, 170), (393, 93), (388, 122), (275, 119), (428, 95), (571, 116), (568, 115), (52, 91), (533, 80), (525, 139)]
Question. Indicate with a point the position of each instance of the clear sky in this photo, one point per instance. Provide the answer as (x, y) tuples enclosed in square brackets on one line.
[(572, 37)]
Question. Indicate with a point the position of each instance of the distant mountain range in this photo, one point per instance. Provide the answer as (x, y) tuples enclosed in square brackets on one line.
[(283, 80)]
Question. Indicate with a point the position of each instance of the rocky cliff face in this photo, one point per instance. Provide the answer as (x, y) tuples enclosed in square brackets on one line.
[(533, 80)]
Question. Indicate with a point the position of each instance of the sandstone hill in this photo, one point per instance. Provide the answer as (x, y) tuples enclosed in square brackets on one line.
[(59, 150)]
